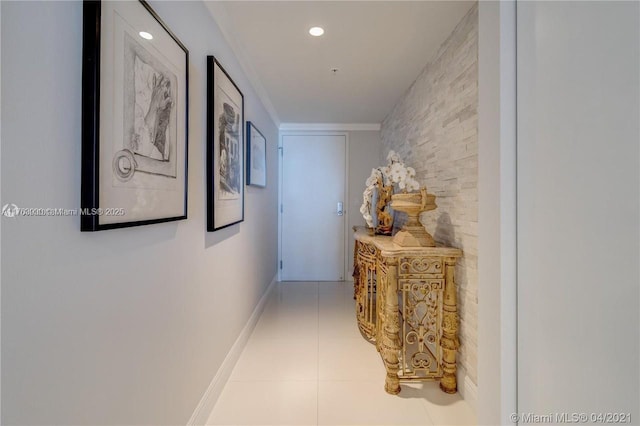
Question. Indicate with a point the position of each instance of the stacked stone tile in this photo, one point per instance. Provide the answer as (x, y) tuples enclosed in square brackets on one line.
[(434, 128)]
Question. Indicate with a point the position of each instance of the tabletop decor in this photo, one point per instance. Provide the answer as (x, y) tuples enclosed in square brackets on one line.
[(134, 118), (413, 232), (376, 208), (225, 149)]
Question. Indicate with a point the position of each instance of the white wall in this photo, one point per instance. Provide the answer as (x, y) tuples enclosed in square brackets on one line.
[(124, 326), (578, 207), (364, 155), (0, 198)]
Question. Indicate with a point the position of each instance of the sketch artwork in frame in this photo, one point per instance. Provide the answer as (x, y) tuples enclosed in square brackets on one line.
[(225, 149), (256, 157), (134, 118)]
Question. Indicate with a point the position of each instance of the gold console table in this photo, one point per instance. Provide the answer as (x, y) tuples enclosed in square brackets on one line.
[(406, 305)]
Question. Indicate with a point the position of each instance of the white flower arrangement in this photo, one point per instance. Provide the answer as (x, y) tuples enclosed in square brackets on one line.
[(395, 173), (365, 209)]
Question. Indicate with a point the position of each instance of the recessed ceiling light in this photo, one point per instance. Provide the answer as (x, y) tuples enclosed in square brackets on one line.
[(145, 35), (316, 31)]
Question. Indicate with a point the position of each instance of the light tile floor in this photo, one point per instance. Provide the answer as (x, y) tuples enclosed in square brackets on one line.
[(307, 364)]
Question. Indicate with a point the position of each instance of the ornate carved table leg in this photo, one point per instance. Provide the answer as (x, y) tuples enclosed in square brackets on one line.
[(381, 304), (390, 346), (449, 340), (356, 269)]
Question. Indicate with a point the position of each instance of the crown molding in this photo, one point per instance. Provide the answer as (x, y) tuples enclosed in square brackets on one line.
[(330, 126), (221, 17)]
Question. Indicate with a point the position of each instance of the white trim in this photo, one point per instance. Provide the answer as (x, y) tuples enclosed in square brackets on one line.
[(497, 215), (280, 148), (467, 389), (343, 127), (345, 210), (221, 17), (470, 393), (208, 401), (508, 211)]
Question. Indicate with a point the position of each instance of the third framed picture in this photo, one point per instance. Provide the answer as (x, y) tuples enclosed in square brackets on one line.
[(256, 157)]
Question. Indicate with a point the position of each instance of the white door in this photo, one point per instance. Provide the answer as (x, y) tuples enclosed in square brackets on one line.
[(312, 213)]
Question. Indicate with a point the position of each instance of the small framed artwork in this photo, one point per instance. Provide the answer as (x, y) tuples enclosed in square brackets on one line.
[(134, 118), (225, 149), (256, 157)]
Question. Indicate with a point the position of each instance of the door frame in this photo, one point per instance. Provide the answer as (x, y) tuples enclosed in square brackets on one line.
[(497, 386), (282, 134)]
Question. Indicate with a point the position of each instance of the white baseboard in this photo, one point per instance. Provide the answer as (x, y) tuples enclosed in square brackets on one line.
[(467, 389), (205, 407)]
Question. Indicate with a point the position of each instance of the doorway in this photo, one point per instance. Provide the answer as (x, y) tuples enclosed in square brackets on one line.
[(312, 213)]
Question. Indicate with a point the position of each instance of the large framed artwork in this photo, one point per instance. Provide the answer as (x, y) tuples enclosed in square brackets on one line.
[(225, 149), (134, 118), (256, 157)]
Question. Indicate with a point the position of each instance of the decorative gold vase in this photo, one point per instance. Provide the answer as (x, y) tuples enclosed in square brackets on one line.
[(413, 233)]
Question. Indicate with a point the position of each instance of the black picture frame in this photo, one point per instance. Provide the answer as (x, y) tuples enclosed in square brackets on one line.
[(225, 148), (134, 166), (256, 157)]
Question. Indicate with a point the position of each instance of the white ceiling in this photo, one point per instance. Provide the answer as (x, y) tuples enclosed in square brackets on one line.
[(379, 47)]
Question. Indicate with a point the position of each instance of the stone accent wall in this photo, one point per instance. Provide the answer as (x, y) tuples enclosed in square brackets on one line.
[(434, 128)]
